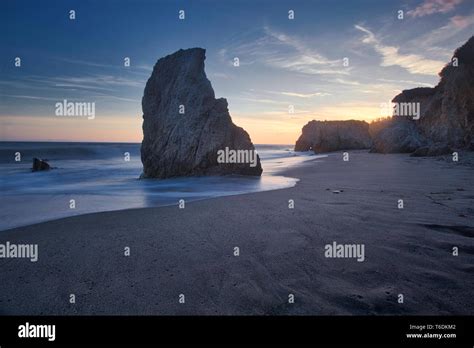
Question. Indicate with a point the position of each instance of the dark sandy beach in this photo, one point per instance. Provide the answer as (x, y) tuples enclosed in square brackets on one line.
[(191, 251)]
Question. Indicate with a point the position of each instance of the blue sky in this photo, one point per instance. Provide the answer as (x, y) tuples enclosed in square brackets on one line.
[(283, 62)]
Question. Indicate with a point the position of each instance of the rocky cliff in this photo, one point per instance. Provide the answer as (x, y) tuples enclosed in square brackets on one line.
[(327, 136), (185, 126), (446, 112)]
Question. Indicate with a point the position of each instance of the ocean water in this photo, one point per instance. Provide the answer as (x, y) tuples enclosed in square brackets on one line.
[(97, 177)]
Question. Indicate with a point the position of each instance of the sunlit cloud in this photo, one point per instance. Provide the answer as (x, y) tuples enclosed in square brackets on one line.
[(347, 82), (429, 7), (300, 95), (407, 82), (447, 32), (391, 56), (461, 21)]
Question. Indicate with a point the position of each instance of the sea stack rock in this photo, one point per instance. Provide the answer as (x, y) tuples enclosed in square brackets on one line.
[(446, 119), (327, 136), (185, 128), (399, 135), (39, 165)]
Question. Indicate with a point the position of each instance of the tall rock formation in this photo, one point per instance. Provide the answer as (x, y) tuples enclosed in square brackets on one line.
[(327, 136), (399, 135), (446, 112), (185, 126)]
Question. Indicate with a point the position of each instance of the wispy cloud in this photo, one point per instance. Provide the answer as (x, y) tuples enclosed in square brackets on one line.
[(220, 75), (99, 96), (461, 22), (53, 88), (146, 67), (285, 52), (91, 82), (429, 7), (108, 96), (119, 65), (83, 62), (391, 56), (307, 55), (347, 82), (445, 34), (98, 81), (301, 58), (301, 95), (411, 82), (34, 97)]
